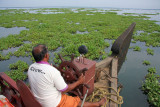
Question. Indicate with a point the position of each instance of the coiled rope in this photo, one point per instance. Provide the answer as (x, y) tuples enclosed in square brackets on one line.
[(102, 92)]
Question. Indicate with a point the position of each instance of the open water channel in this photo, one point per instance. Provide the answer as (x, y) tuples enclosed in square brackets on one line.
[(132, 72)]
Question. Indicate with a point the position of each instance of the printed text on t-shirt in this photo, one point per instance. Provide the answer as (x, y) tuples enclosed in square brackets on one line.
[(36, 70)]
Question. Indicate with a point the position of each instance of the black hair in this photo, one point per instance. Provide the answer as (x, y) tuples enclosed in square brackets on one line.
[(39, 52)]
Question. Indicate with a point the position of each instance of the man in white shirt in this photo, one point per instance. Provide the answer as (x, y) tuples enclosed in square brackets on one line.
[(48, 86)]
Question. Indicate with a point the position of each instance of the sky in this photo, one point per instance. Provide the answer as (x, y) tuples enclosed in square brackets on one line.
[(140, 4)]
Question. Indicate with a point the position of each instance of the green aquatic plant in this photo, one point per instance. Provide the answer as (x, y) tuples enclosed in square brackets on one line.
[(152, 70), (130, 13), (19, 65), (151, 87), (17, 70), (4, 57), (104, 56), (150, 51), (24, 50), (107, 44), (110, 53), (133, 41), (44, 27), (16, 75), (10, 41), (149, 14), (113, 41), (145, 62), (60, 30), (115, 10), (136, 48)]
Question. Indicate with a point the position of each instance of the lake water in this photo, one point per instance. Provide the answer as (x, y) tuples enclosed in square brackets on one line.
[(4, 65), (7, 31), (132, 72)]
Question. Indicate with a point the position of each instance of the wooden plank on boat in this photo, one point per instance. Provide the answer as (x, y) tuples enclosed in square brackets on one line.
[(100, 66), (114, 62), (114, 71), (104, 63)]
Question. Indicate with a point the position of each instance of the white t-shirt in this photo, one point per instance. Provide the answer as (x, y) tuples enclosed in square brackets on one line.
[(45, 82)]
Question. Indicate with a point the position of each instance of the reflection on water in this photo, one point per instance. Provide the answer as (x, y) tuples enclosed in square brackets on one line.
[(133, 72), (139, 32), (13, 49), (4, 52), (4, 65), (36, 11), (7, 31), (143, 12), (27, 42), (108, 49), (85, 32)]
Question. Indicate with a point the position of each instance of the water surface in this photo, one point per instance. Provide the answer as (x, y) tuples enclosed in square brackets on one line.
[(4, 32), (133, 73)]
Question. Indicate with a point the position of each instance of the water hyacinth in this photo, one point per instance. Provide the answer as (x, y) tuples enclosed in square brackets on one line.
[(151, 86), (69, 29), (17, 70)]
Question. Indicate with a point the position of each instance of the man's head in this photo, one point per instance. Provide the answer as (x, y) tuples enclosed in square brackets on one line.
[(40, 52)]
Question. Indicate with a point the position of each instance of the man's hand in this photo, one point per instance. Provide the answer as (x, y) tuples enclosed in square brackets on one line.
[(81, 79)]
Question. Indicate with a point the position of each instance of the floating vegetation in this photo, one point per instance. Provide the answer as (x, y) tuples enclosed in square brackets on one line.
[(115, 10), (5, 57), (150, 51), (139, 32), (151, 87), (17, 70), (150, 14), (113, 41), (10, 41), (19, 65), (149, 38), (152, 70), (140, 14), (136, 48), (72, 29), (145, 62), (133, 41), (130, 14)]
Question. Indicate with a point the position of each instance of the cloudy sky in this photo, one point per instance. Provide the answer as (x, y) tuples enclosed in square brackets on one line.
[(143, 4)]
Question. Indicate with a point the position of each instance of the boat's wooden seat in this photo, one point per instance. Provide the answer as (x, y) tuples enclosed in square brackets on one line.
[(17, 93), (26, 95), (10, 90)]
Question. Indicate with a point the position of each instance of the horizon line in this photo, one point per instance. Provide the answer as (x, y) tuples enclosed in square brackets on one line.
[(75, 7)]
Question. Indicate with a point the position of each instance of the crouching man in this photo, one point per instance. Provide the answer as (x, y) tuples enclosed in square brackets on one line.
[(49, 87)]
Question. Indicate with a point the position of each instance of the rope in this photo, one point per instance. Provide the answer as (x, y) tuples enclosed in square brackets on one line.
[(90, 79), (102, 92)]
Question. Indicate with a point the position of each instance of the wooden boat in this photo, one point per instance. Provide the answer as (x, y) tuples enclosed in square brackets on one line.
[(20, 95)]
